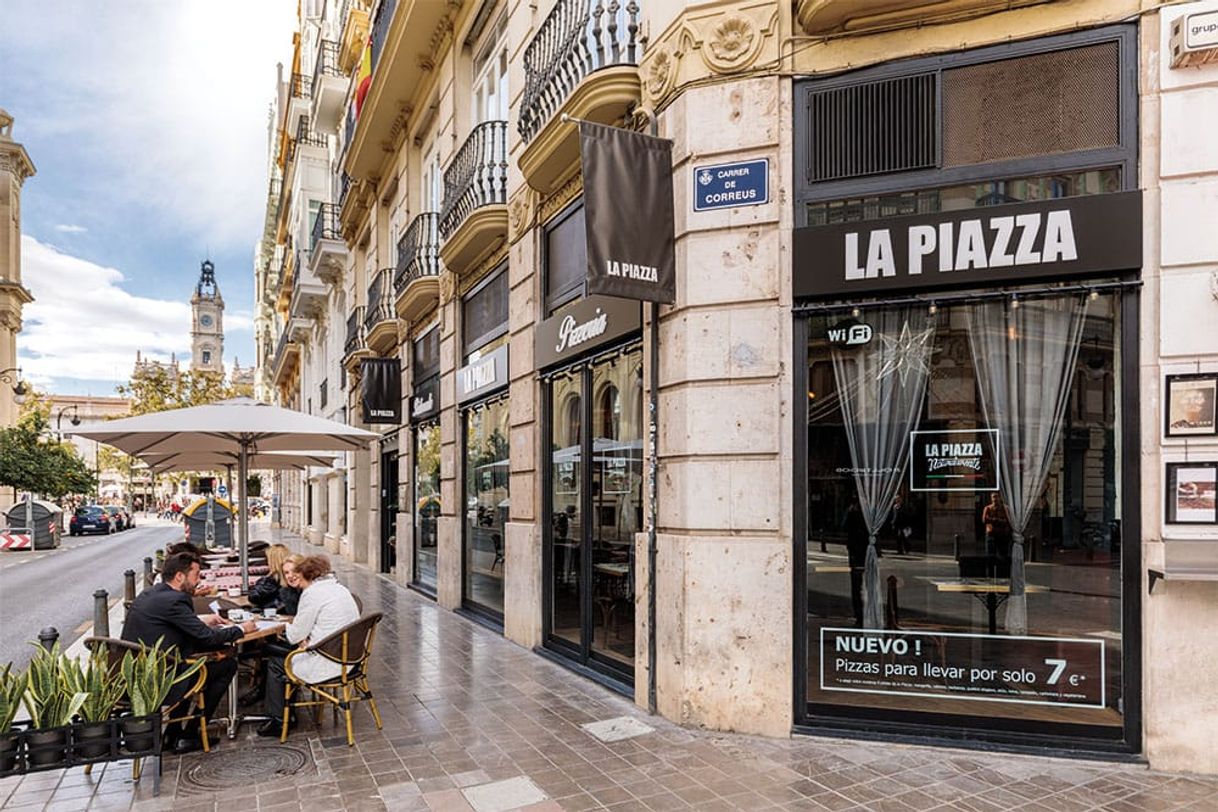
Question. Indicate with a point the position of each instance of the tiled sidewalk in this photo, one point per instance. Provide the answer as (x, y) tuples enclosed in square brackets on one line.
[(475, 722)]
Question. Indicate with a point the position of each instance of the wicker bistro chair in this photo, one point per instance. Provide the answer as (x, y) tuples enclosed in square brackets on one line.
[(350, 647), (189, 707)]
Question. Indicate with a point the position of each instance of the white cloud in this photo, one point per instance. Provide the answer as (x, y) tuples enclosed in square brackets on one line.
[(83, 325), (70, 228)]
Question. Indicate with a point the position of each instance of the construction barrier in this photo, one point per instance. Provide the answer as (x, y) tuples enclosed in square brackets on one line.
[(16, 540)]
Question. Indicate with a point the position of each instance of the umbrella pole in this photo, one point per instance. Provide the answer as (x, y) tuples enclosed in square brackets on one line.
[(228, 476), (243, 519)]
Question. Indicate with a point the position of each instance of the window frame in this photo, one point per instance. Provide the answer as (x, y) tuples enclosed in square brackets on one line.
[(574, 290)]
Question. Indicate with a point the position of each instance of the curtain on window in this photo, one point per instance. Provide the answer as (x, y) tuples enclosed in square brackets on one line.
[(1024, 354), (882, 386)]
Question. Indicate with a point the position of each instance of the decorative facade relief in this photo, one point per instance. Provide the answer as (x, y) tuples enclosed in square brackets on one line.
[(521, 211), (720, 40)]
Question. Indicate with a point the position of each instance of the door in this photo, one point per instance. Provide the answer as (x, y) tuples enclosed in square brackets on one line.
[(389, 509), (595, 502)]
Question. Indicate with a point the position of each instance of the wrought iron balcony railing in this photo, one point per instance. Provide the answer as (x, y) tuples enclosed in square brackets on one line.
[(380, 299), (305, 137), (327, 60), (477, 176), (380, 28), (418, 251), (326, 227), (344, 190), (301, 86), (281, 347), (355, 331), (578, 38)]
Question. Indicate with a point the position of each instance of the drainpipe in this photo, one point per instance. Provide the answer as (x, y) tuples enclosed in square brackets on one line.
[(653, 472)]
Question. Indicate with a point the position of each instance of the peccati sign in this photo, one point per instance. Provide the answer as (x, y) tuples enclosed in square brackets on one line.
[(981, 247)]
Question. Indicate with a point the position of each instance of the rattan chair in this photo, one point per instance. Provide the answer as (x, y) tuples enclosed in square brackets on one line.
[(350, 647)]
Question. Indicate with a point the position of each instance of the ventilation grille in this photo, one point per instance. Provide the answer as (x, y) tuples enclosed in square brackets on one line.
[(873, 128), (1061, 101)]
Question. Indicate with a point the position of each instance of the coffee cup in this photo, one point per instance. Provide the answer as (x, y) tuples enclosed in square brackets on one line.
[(269, 613), (234, 592), (237, 615)]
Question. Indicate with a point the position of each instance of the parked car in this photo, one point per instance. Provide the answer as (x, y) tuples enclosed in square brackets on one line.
[(130, 514), (120, 518), (90, 519)]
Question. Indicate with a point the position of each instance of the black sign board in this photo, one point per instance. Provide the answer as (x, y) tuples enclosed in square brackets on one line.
[(953, 460), (584, 325), (478, 378), (628, 213), (381, 390), (425, 400), (982, 247)]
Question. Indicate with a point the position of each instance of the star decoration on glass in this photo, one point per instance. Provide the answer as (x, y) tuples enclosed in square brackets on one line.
[(906, 353)]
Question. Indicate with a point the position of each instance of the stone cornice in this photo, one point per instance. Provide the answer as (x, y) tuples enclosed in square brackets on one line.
[(15, 160)]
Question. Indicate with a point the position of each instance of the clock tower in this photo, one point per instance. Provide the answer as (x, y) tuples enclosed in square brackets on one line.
[(207, 322)]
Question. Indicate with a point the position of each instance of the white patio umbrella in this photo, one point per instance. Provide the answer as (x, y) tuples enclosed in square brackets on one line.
[(241, 427), (160, 462)]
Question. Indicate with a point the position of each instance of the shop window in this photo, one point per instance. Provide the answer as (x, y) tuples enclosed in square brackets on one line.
[(566, 258), (487, 504), (426, 356), (609, 412), (426, 503), (485, 312)]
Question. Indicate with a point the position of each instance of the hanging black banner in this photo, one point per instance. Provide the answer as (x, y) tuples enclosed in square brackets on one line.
[(628, 213), (381, 390)]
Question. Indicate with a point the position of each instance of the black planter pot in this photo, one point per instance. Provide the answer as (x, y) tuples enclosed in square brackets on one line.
[(46, 747), (8, 751), (92, 740), (137, 734)]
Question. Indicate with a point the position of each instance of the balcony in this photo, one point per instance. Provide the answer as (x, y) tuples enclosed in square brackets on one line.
[(582, 61), (401, 31), (329, 88), (300, 91), (380, 319), (827, 17), (417, 281), (474, 220), (308, 293), (328, 255), (309, 143), (355, 34), (355, 346), (287, 358)]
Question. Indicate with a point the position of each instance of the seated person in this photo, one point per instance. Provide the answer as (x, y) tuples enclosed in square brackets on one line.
[(165, 612), (325, 607), (276, 589)]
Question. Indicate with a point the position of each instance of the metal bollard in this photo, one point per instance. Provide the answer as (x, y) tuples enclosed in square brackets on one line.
[(128, 588), (48, 637), (148, 576), (101, 613)]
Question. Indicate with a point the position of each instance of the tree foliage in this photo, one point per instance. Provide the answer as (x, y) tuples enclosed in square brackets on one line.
[(30, 460), (159, 389)]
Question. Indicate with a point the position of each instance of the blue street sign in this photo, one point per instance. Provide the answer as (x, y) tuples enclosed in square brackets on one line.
[(725, 186)]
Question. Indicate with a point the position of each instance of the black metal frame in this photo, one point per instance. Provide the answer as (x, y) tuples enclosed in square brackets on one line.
[(1195, 376), (115, 742), (580, 658), (572, 292), (1169, 490), (415, 427), (1074, 740), (500, 329), (484, 614), (389, 456)]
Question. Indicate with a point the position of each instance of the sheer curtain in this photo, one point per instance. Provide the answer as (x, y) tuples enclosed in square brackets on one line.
[(881, 386), (1024, 354)]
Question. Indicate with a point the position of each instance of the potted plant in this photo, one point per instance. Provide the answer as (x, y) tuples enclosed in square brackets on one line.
[(148, 678), (51, 704), (94, 680), (12, 686)]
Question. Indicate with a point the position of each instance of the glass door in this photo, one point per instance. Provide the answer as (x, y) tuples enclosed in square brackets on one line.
[(595, 502), (426, 503), (389, 510)]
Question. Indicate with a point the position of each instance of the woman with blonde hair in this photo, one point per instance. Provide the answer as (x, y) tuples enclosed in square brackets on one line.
[(277, 589)]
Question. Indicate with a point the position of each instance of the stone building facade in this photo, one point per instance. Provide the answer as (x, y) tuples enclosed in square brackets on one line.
[(512, 487), (15, 168)]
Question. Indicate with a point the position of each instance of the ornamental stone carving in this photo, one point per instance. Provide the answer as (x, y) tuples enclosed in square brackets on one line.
[(659, 73), (732, 40), (520, 214)]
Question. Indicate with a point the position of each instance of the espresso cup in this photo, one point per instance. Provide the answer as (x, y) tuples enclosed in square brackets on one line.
[(237, 615)]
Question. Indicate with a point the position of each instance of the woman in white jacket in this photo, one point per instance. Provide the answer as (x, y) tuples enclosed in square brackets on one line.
[(325, 607)]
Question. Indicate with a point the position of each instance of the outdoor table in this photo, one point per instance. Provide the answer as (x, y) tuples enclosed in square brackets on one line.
[(992, 592), (268, 627)]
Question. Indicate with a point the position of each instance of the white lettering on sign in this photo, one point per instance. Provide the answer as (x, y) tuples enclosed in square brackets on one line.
[(380, 412), (999, 242), (423, 404), (630, 270), (477, 375), (737, 195), (571, 334)]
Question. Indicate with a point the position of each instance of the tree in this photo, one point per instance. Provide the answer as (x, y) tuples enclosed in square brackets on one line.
[(159, 389), (31, 462)]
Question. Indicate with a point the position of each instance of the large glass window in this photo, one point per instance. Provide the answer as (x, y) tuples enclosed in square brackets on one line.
[(426, 502), (487, 503), (566, 258), (964, 514)]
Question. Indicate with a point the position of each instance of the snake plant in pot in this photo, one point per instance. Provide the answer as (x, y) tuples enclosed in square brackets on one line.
[(103, 690), (12, 686), (148, 677), (52, 703)]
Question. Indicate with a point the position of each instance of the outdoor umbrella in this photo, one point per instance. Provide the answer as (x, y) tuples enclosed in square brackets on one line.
[(160, 462), (240, 427)]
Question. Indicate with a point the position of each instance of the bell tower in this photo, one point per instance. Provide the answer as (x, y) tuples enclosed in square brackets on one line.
[(207, 322), (15, 168)]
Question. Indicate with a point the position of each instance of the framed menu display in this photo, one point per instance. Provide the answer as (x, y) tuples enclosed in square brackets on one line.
[(1191, 490)]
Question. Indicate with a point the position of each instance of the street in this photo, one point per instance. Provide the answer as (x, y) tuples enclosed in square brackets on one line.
[(55, 587)]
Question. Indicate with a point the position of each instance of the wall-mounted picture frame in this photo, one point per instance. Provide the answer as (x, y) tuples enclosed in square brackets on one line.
[(1190, 402), (1192, 493)]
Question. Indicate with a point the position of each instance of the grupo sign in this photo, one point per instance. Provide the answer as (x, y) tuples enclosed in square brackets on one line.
[(584, 325), (982, 247), (997, 668)]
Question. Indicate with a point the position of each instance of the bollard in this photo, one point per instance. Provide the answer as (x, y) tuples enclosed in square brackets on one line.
[(128, 588), (48, 638), (101, 613), (148, 571)]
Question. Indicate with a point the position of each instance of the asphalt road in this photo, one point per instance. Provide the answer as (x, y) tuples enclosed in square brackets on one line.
[(55, 587)]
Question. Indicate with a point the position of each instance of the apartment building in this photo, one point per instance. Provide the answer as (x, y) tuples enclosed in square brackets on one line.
[(924, 471)]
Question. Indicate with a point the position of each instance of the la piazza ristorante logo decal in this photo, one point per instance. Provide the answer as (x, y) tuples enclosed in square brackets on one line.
[(978, 247)]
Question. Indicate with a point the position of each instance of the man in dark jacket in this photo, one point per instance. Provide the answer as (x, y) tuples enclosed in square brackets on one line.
[(165, 612)]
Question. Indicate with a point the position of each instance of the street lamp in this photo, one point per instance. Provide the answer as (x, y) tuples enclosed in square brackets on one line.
[(75, 421), (18, 385)]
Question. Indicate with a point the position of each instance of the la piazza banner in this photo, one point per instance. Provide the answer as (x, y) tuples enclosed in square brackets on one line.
[(982, 247)]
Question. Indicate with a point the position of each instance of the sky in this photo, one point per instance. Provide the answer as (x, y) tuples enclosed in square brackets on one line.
[(147, 123)]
